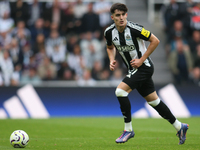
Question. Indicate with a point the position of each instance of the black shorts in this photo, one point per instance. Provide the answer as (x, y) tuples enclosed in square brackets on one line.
[(141, 79)]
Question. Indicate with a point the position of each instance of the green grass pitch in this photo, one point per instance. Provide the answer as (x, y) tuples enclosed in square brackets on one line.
[(90, 133)]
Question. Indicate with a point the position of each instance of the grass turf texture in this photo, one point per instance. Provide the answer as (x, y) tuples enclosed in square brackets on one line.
[(99, 134)]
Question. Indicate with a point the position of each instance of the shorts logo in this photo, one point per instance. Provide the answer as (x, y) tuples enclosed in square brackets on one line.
[(146, 33), (132, 72)]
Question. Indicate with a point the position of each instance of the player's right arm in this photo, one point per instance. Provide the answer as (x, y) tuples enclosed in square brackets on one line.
[(111, 55), (110, 47)]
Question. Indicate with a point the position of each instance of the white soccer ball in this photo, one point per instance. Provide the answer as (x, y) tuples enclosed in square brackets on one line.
[(19, 139)]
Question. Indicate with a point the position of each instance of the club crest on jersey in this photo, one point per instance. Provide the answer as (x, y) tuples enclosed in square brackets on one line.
[(125, 48), (128, 38)]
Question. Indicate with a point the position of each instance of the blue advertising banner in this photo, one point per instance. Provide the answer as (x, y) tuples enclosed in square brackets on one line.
[(44, 102)]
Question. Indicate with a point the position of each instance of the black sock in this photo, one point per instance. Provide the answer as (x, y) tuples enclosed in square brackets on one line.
[(125, 107), (164, 111)]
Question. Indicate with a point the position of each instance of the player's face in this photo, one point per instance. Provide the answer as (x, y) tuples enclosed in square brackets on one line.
[(119, 17)]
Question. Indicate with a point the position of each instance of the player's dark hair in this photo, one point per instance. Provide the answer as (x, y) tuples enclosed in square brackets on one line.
[(118, 6)]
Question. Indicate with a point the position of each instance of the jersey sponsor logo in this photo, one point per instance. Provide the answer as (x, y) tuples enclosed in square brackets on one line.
[(145, 32), (125, 48)]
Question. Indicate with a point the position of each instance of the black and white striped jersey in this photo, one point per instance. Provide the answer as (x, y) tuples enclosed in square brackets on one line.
[(130, 43)]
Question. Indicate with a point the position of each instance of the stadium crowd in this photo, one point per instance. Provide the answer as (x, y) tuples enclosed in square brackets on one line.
[(54, 40), (182, 29)]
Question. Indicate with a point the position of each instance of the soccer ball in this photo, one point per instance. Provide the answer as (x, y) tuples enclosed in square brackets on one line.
[(19, 139)]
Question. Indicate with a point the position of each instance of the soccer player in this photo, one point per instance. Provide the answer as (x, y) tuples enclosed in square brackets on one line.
[(128, 39)]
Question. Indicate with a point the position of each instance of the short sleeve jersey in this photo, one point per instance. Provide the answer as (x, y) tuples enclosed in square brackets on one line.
[(130, 43)]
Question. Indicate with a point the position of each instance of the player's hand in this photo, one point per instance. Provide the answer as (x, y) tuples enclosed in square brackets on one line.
[(136, 63), (112, 65)]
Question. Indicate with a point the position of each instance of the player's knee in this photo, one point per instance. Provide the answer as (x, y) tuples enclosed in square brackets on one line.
[(155, 102), (120, 93)]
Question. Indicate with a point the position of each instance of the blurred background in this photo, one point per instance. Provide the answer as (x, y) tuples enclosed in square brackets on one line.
[(58, 48)]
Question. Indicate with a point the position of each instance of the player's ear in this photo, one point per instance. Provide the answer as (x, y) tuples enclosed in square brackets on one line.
[(112, 17)]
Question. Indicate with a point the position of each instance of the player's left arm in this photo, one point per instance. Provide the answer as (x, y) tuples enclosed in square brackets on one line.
[(154, 41)]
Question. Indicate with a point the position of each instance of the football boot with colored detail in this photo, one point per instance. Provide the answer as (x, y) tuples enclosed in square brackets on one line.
[(182, 133), (126, 135)]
